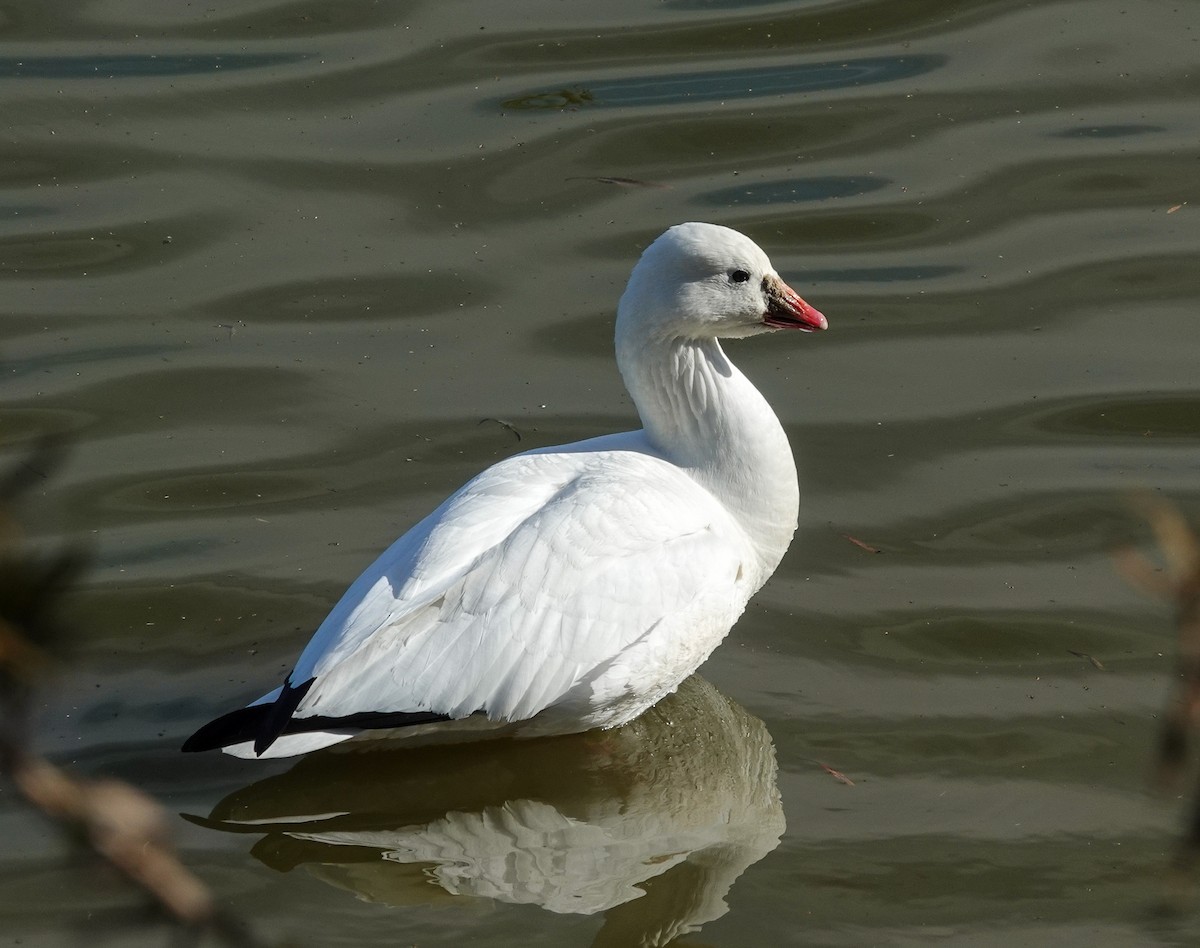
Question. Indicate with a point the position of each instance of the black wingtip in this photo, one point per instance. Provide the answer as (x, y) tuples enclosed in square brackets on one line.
[(232, 728), (279, 713), (260, 723), (264, 723)]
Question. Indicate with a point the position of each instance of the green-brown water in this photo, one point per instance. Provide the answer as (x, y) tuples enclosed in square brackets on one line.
[(288, 272)]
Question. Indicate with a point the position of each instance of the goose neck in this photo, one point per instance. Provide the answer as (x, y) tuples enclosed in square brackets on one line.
[(702, 414)]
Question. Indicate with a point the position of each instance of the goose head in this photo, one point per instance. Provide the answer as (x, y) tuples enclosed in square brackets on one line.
[(701, 281)]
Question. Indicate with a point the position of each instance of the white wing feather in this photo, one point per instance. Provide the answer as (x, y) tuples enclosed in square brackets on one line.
[(525, 587)]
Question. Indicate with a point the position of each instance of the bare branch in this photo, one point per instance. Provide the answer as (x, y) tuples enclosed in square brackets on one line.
[(119, 823)]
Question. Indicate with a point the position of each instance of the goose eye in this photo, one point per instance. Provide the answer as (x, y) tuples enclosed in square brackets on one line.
[(739, 276)]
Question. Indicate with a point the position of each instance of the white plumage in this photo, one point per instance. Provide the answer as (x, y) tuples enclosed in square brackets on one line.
[(572, 587)]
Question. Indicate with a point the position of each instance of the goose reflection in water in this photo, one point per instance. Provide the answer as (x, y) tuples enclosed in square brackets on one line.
[(650, 823)]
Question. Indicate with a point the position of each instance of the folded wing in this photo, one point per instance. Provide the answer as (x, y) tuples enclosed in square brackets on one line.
[(530, 581)]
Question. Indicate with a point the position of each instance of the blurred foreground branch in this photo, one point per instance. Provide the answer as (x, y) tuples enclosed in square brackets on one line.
[(1177, 581), (117, 822)]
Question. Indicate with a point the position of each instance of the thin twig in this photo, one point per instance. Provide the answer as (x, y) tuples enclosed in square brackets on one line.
[(122, 825), (1179, 583)]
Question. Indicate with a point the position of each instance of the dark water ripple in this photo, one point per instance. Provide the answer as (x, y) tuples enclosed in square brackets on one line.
[(133, 66), (762, 81)]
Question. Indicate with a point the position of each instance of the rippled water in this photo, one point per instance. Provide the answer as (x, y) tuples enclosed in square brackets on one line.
[(288, 272)]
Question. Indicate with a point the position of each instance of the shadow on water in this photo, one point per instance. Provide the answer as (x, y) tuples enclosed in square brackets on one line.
[(650, 824)]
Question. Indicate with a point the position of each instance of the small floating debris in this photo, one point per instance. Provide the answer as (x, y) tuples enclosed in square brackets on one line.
[(622, 182), (860, 544), (836, 774), (503, 424), (1095, 661)]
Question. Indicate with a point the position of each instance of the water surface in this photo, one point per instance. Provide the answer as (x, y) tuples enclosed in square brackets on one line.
[(286, 273)]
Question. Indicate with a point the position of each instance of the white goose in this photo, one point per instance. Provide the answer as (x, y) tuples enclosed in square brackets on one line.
[(572, 587)]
